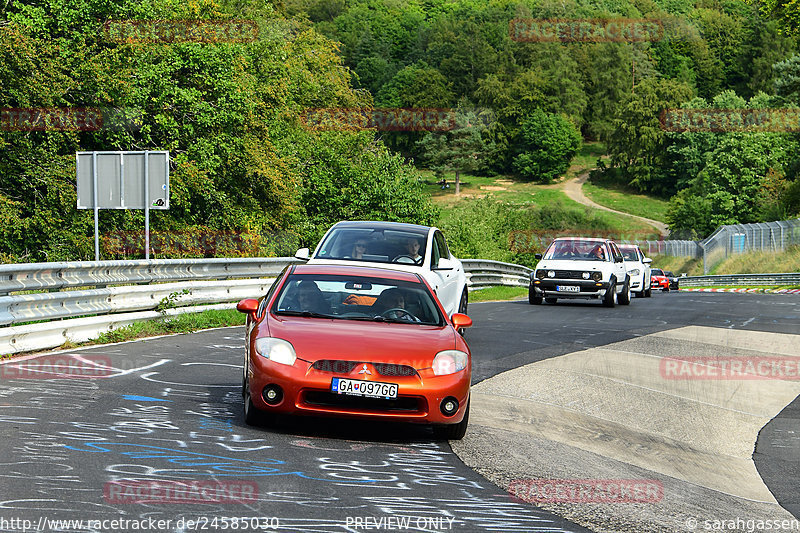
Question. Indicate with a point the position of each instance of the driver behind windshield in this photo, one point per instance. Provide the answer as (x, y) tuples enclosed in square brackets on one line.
[(309, 298), (392, 304)]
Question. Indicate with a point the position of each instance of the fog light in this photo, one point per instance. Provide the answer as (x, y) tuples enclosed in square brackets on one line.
[(449, 406), (272, 394)]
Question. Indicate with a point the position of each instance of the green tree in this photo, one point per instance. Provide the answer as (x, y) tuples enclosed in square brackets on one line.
[(462, 149), (546, 145)]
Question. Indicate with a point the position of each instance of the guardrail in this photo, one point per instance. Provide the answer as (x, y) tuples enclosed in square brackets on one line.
[(740, 279), (120, 293), (485, 273)]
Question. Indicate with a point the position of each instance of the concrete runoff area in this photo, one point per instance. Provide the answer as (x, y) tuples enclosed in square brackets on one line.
[(617, 413)]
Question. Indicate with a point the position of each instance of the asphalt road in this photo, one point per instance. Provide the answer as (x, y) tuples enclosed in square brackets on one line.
[(164, 419)]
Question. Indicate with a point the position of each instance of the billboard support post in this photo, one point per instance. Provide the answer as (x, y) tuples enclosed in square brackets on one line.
[(96, 208), (147, 205)]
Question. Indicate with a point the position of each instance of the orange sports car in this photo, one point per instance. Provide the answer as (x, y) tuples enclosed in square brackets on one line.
[(359, 342)]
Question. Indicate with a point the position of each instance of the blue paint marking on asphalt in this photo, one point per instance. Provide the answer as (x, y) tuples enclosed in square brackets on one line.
[(143, 398), (222, 466)]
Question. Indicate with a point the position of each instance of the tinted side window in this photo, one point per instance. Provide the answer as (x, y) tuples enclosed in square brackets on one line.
[(275, 284), (616, 252)]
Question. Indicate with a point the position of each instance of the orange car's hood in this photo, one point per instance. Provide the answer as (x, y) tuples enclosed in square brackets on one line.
[(352, 340)]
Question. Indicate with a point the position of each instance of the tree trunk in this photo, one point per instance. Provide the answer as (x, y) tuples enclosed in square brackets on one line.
[(458, 182)]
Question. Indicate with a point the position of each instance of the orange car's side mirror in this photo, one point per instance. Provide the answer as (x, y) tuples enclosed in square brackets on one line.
[(460, 320), (248, 306)]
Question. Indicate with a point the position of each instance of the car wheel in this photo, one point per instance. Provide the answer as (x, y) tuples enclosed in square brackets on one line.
[(462, 305), (251, 413), (665, 289), (648, 293), (532, 298), (625, 296), (608, 299), (551, 300), (453, 431), (253, 416)]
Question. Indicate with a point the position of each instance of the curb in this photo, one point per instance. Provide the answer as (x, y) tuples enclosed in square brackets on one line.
[(770, 291)]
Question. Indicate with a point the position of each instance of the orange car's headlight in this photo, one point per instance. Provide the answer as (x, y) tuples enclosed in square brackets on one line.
[(277, 350), (449, 362)]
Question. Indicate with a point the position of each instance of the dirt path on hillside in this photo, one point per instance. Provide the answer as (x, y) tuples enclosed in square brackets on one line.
[(574, 189)]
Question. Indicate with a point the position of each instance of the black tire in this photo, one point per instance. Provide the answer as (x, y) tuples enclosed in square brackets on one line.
[(464, 303), (252, 416), (608, 299), (648, 293), (666, 289), (624, 297), (551, 300), (532, 298), (453, 431)]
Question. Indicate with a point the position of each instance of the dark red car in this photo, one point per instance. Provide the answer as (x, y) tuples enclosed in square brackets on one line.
[(359, 342), (659, 279)]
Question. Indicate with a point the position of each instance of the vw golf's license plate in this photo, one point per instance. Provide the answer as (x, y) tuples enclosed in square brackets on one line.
[(372, 389), (568, 288)]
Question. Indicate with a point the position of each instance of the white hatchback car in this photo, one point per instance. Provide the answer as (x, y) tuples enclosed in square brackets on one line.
[(574, 267), (408, 247), (639, 269)]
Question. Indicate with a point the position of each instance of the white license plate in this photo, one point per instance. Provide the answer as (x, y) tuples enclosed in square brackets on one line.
[(568, 288), (371, 389)]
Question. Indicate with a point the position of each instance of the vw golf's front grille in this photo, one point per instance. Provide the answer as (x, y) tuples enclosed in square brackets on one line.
[(569, 274)]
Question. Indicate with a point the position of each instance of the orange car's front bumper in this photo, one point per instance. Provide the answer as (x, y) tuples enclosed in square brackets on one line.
[(308, 391)]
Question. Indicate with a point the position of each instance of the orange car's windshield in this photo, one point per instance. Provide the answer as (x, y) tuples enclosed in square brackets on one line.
[(357, 298)]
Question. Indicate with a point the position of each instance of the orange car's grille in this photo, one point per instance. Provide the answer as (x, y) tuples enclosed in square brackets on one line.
[(394, 370), (337, 367), (345, 367), (403, 404)]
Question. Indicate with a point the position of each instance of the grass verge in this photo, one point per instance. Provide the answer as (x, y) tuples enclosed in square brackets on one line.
[(184, 323), (490, 294)]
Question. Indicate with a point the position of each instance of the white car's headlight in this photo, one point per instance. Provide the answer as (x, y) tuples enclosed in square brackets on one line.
[(449, 362), (277, 350), (635, 272)]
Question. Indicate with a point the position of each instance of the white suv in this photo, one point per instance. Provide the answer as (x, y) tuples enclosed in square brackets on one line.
[(411, 248), (638, 268), (574, 267)]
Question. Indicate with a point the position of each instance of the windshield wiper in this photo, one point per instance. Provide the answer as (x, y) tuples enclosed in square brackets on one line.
[(308, 314)]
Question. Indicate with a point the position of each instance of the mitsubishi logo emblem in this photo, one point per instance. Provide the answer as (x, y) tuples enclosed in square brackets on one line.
[(364, 370)]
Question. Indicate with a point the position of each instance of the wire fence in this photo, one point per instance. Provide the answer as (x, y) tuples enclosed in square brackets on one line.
[(729, 240), (741, 238)]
